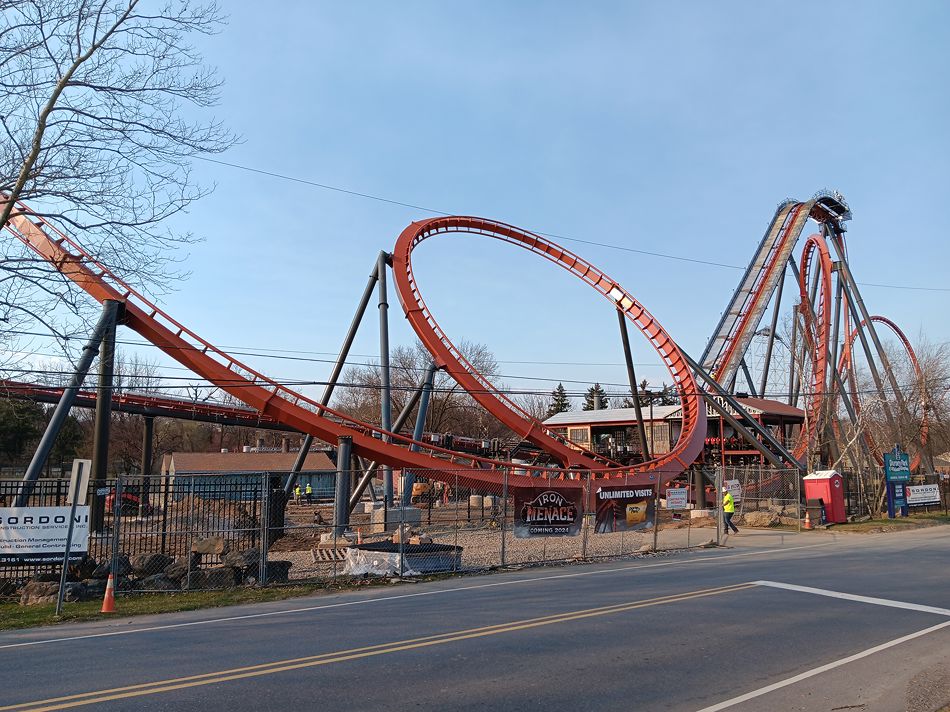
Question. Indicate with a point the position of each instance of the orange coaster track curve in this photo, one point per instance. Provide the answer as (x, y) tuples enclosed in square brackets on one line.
[(281, 404), (817, 319), (845, 367), (690, 443)]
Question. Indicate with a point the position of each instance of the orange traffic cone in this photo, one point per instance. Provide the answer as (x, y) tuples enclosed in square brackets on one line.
[(807, 524), (108, 601)]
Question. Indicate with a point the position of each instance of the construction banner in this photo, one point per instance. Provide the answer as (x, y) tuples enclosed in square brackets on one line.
[(624, 509), (546, 512)]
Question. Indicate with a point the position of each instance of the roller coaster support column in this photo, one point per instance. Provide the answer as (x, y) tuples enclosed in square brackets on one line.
[(768, 348), (110, 311), (748, 377), (836, 328), (100, 443), (409, 477), (341, 496), (856, 305), (792, 356), (335, 374), (784, 457), (147, 438), (385, 395), (634, 389), (369, 471)]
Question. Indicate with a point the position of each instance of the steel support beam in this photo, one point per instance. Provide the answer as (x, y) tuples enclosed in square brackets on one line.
[(401, 419), (341, 495), (768, 349), (748, 377), (385, 392), (337, 370), (109, 315), (768, 446), (860, 313), (103, 419), (634, 388), (148, 438), (409, 476)]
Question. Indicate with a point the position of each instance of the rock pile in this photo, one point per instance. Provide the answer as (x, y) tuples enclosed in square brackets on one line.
[(159, 572)]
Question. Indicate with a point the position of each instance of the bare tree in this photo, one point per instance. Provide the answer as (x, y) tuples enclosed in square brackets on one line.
[(94, 96), (451, 409)]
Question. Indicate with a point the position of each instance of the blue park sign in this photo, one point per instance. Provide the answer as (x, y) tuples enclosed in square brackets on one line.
[(896, 473), (897, 465)]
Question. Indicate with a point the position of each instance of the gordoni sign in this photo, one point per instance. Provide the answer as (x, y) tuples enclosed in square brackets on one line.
[(38, 532)]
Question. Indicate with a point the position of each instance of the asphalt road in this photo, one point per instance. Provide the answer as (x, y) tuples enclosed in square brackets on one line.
[(812, 621)]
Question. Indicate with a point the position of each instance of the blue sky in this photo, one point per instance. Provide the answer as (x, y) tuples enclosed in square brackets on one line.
[(667, 127)]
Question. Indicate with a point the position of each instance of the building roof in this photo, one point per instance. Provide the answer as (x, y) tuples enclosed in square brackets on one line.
[(609, 415), (771, 407), (619, 416), (230, 462)]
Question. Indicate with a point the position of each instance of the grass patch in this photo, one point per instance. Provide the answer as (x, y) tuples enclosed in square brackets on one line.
[(13, 615), (914, 521)]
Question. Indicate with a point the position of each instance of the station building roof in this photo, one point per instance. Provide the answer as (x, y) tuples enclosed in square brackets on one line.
[(610, 416), (620, 416), (242, 462)]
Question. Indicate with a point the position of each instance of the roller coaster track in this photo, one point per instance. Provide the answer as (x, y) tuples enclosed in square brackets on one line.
[(731, 339), (846, 368), (283, 405), (817, 330), (147, 404), (819, 337), (451, 359)]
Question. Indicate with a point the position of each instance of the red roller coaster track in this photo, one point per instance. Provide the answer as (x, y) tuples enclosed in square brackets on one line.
[(281, 404), (845, 367)]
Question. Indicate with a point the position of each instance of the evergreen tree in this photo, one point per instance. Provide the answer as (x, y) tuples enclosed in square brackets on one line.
[(595, 398), (668, 395), (560, 403), (643, 391)]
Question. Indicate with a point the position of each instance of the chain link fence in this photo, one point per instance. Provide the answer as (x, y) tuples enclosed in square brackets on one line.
[(198, 532), (765, 496)]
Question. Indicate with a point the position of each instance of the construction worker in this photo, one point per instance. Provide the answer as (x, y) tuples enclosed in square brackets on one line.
[(309, 493), (297, 494), (728, 509)]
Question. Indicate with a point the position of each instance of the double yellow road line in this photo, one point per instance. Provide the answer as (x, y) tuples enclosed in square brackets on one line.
[(211, 678)]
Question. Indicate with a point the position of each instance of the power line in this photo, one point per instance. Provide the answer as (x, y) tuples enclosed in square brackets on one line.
[(239, 382), (554, 236)]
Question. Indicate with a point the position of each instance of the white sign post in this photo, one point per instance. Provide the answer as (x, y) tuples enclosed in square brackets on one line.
[(78, 487), (79, 482)]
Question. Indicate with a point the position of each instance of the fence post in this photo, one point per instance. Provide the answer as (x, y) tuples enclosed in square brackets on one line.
[(504, 516), (656, 515), (455, 497), (623, 532), (718, 513), (191, 526), (798, 498), (401, 528), (585, 521), (116, 516), (69, 541), (263, 521)]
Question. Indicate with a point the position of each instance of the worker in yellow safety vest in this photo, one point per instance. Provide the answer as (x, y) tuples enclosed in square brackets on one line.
[(728, 510), (309, 493), (297, 494)]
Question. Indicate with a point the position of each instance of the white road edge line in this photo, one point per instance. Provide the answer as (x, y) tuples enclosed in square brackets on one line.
[(819, 670), (853, 597), (343, 604)]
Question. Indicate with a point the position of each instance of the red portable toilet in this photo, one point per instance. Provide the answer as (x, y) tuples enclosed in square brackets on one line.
[(828, 486)]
